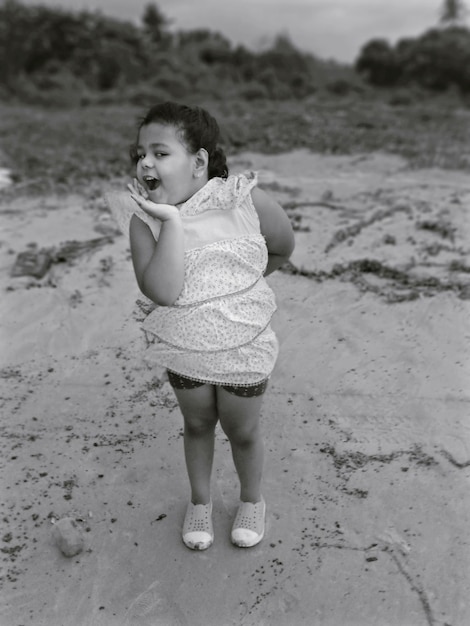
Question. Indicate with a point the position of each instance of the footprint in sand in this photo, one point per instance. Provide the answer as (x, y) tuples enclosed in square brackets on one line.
[(152, 607)]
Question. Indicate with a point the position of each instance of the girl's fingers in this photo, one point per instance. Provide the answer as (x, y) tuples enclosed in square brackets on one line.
[(154, 209), (140, 201), (143, 203), (140, 188), (137, 189)]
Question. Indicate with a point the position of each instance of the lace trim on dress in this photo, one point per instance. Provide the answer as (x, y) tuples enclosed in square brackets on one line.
[(210, 382)]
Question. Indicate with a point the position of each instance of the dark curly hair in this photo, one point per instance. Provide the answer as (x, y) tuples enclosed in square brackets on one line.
[(198, 130)]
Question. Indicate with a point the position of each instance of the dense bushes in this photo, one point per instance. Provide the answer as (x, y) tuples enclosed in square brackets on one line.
[(48, 54), (437, 60), (55, 56)]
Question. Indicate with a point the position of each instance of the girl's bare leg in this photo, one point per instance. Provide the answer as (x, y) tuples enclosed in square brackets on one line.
[(199, 410), (240, 420)]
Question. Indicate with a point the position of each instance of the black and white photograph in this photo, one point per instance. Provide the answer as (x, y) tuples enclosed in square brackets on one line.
[(234, 313)]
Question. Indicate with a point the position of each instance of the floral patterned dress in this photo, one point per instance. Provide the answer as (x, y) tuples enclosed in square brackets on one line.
[(218, 331)]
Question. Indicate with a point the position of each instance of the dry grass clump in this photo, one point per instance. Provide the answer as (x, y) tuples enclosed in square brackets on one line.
[(78, 148)]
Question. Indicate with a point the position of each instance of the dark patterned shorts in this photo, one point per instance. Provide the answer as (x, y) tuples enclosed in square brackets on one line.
[(248, 391)]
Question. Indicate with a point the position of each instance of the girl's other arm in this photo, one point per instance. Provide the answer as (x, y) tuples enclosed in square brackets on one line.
[(276, 229), (158, 265)]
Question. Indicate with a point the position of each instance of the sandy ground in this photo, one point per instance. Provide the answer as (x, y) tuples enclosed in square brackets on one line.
[(366, 420)]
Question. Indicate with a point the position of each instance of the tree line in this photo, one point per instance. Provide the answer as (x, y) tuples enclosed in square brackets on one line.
[(436, 60), (46, 50), (49, 48)]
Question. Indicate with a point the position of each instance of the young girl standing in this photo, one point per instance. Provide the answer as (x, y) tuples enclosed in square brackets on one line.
[(201, 243)]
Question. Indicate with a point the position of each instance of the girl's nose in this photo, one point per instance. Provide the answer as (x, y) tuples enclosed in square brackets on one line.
[(146, 161)]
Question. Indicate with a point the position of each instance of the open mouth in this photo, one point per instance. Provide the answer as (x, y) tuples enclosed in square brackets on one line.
[(151, 182)]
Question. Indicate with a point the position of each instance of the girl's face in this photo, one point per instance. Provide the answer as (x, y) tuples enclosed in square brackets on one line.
[(165, 168)]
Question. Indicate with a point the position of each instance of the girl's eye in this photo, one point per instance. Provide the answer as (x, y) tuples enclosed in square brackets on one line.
[(140, 157)]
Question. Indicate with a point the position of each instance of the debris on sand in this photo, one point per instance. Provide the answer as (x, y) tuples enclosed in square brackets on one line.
[(71, 250), (68, 537), (36, 262)]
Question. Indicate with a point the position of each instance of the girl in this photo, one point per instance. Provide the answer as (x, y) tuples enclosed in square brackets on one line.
[(201, 242)]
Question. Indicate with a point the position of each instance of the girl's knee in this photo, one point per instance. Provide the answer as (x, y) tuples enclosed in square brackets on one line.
[(242, 435), (198, 426), (239, 417)]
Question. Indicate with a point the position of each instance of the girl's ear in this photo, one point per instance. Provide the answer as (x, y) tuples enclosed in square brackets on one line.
[(201, 162)]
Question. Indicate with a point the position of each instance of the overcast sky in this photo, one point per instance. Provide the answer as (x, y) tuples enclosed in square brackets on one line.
[(329, 28)]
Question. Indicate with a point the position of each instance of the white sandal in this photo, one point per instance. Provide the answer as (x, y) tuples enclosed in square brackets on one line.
[(198, 533), (248, 527)]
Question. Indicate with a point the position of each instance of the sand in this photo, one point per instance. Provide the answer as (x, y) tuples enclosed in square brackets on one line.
[(366, 420)]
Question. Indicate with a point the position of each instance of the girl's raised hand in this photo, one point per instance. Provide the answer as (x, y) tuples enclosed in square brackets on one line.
[(162, 212)]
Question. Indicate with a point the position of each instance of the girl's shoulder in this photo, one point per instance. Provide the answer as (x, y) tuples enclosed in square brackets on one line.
[(122, 208)]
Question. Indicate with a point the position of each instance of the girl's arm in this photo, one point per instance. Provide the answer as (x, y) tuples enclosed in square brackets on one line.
[(159, 265), (276, 229)]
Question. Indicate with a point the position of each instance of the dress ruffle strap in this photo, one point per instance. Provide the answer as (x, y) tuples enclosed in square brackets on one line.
[(219, 194)]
